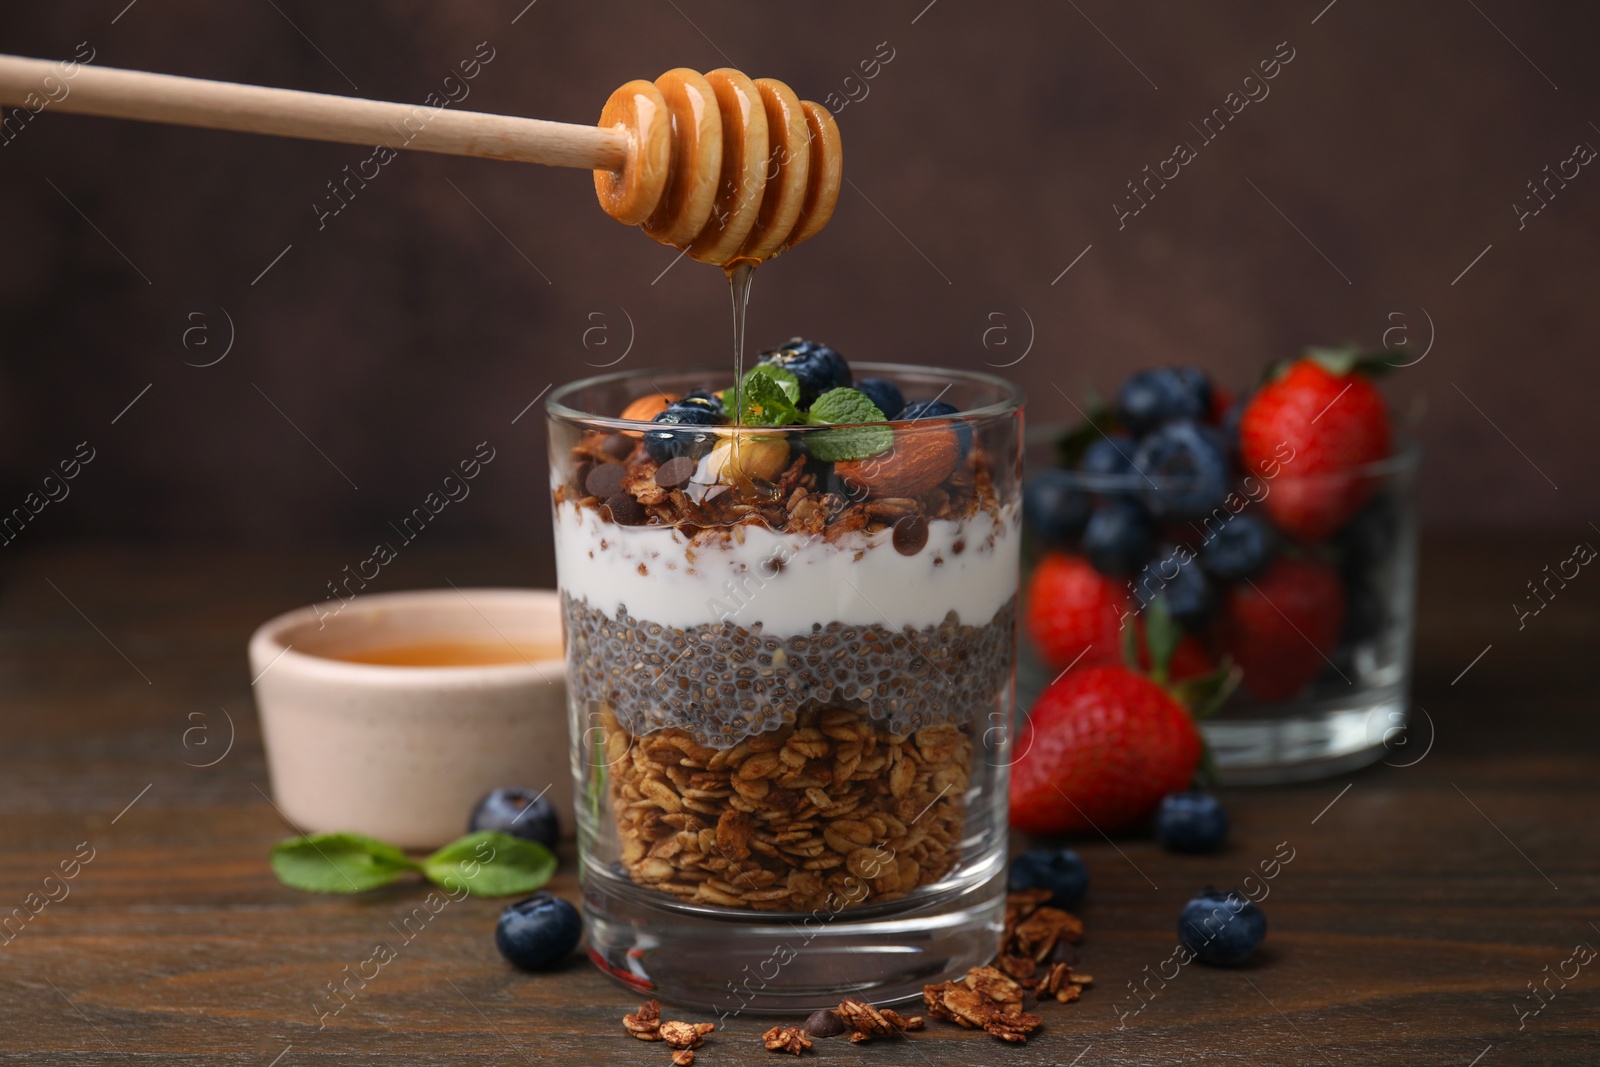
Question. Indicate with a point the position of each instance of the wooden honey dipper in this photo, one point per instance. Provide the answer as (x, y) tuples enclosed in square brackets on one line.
[(727, 168)]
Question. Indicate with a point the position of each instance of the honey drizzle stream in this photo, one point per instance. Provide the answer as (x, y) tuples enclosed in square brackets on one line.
[(740, 272)]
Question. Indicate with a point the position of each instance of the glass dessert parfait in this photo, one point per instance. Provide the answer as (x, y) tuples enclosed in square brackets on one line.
[(790, 653)]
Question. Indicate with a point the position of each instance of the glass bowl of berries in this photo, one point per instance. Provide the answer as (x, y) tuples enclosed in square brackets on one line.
[(1264, 542)]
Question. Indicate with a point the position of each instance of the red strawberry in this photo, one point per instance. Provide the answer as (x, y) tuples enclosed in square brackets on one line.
[(1073, 607), (1189, 661), (1102, 747), (1303, 434), (1280, 627)]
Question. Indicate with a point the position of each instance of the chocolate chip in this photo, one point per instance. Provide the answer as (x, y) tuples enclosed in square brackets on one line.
[(824, 1023), (605, 480), (624, 510), (675, 473), (910, 534), (618, 446), (1063, 952)]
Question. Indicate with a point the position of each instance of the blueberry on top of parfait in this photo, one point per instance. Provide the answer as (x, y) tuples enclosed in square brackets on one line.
[(884, 394), (918, 410), (690, 411), (817, 367)]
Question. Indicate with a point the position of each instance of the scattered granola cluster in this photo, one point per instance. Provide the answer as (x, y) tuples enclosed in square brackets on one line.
[(992, 998), (646, 1025), (868, 1022), (790, 1039), (831, 810)]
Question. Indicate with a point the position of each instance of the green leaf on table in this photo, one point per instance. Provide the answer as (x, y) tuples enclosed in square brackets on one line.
[(338, 863), (491, 864), (856, 441), (768, 397)]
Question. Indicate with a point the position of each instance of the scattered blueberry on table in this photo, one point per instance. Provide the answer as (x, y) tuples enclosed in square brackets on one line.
[(537, 933), (1223, 929), (1191, 822), (520, 813)]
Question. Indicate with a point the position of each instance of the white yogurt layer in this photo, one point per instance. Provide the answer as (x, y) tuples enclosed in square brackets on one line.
[(655, 574)]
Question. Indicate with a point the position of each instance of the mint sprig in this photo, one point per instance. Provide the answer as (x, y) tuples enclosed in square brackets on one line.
[(769, 396), (487, 864), (847, 406)]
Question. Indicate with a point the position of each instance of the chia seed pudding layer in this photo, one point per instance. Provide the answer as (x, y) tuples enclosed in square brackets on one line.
[(721, 683)]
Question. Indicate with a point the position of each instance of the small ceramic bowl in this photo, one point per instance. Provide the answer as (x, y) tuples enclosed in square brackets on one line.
[(403, 752)]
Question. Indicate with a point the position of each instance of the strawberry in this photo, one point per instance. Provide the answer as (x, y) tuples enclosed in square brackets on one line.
[(1072, 608), (1281, 626), (1102, 747), (1189, 661), (1305, 432)]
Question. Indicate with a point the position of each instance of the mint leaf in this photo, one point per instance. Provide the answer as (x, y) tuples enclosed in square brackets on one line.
[(491, 864), (782, 375), (768, 397), (847, 406), (338, 863)]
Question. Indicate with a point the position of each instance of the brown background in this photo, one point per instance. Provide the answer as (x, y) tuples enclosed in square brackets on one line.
[(985, 159)]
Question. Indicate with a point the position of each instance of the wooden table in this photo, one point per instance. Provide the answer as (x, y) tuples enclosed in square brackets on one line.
[(1420, 904)]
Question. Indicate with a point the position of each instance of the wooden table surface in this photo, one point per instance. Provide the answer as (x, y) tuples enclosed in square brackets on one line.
[(1421, 902)]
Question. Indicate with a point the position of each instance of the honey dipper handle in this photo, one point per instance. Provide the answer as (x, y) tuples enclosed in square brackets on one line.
[(130, 94)]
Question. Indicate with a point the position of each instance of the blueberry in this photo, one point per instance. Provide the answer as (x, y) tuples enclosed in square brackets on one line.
[(1119, 537), (694, 396), (884, 394), (938, 409), (818, 367), (1230, 425), (537, 933), (1222, 929), (1111, 455), (520, 813), (1174, 577), (1055, 507), (1059, 870), (666, 444), (1240, 548), (1185, 469), (1153, 397), (1191, 822)]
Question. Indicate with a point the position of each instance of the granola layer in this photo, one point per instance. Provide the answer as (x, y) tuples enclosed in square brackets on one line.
[(831, 810)]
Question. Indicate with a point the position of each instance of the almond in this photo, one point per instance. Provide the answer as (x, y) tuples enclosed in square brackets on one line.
[(919, 461)]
